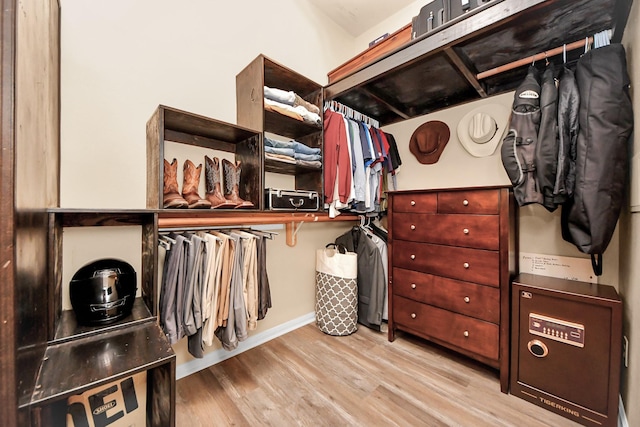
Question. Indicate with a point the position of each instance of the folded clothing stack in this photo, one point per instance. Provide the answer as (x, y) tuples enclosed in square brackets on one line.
[(292, 152), (291, 104)]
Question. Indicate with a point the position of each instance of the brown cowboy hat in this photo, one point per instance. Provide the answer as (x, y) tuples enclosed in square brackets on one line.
[(428, 141)]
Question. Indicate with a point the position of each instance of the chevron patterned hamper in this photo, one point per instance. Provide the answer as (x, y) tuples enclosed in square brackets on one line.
[(336, 290)]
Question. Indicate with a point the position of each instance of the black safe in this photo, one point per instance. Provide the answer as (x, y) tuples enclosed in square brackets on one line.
[(566, 345)]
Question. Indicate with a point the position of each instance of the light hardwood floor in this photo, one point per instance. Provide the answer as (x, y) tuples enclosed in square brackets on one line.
[(308, 378)]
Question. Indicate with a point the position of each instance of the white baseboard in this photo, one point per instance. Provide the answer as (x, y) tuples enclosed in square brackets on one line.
[(219, 355), (622, 416)]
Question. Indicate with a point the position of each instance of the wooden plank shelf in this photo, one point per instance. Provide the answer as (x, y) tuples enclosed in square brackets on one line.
[(440, 68), (68, 327), (75, 366)]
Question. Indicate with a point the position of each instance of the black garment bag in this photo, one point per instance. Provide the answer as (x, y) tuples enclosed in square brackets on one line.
[(605, 121)]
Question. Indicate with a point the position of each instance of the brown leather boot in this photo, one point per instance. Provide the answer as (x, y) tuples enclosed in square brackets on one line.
[(213, 184), (171, 197), (191, 175), (232, 184)]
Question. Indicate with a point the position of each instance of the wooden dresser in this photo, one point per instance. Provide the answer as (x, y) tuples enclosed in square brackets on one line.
[(451, 255)]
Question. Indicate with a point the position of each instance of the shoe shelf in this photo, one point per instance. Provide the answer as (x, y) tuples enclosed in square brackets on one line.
[(172, 125)]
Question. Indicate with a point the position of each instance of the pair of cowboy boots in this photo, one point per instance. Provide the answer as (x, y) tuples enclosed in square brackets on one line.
[(214, 197), (231, 173)]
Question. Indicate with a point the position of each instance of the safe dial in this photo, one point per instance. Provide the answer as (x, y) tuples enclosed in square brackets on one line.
[(538, 348)]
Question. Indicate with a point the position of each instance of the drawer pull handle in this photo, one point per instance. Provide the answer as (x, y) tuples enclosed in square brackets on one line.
[(413, 286), (465, 265), (465, 230), (413, 203), (465, 202), (413, 227), (413, 256), (466, 333), (413, 315), (467, 299)]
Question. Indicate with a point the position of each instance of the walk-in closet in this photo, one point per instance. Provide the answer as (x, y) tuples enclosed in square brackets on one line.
[(310, 212)]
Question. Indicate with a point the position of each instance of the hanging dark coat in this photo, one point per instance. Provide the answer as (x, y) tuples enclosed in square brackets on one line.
[(547, 146), (568, 106), (519, 145), (606, 121)]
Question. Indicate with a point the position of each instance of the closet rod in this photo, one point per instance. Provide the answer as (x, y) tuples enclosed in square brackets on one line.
[(351, 113), (161, 231), (247, 219), (531, 59)]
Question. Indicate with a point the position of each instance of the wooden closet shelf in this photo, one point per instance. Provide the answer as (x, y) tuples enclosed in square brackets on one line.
[(455, 62), (72, 367)]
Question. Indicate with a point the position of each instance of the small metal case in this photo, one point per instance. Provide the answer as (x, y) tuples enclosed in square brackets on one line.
[(291, 200)]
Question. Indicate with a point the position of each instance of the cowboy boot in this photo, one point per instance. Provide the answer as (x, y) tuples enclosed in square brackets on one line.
[(191, 175), (171, 197), (212, 183), (232, 184)]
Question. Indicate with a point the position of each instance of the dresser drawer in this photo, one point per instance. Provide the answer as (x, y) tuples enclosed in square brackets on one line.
[(470, 299), (471, 231), (415, 202), (469, 202), (471, 265), (473, 335)]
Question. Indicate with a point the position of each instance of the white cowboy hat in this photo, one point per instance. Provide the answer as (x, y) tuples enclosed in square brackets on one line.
[(481, 129)]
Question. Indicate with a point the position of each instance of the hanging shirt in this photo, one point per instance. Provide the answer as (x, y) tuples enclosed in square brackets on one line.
[(370, 276), (357, 167), (336, 158)]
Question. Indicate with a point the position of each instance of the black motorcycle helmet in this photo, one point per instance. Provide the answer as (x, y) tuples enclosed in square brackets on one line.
[(103, 291)]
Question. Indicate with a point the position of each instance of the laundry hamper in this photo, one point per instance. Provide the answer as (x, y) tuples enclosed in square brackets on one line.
[(336, 290)]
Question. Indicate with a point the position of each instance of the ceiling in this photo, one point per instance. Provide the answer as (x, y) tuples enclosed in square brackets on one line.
[(357, 16)]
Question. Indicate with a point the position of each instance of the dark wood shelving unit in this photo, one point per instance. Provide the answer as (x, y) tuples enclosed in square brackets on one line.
[(440, 68), (78, 358), (251, 112), (170, 124)]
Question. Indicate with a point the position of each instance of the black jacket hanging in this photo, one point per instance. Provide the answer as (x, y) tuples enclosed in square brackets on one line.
[(606, 122), (519, 145), (546, 156), (568, 106)]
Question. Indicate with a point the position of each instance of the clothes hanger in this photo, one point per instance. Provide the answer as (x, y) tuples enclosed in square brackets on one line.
[(263, 233), (244, 234), (166, 241), (166, 245)]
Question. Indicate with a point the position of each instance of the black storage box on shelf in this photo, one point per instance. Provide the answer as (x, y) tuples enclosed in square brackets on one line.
[(291, 200), (431, 16), (438, 12)]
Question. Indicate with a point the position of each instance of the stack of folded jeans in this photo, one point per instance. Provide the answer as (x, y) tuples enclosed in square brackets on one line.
[(292, 152)]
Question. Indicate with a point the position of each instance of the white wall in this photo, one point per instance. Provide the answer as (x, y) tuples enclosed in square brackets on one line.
[(391, 24), (122, 58)]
